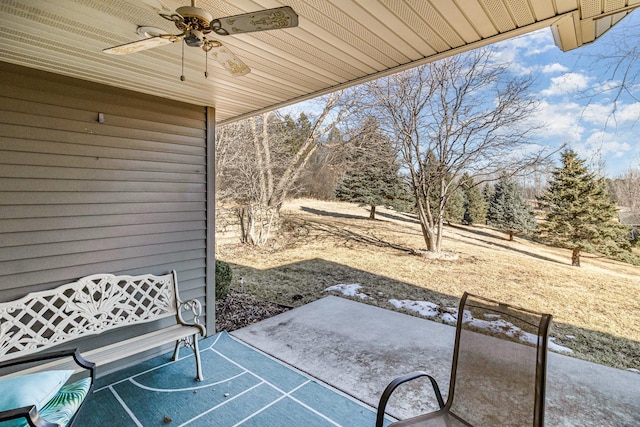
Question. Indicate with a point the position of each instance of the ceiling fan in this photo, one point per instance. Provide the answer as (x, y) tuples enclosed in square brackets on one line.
[(198, 26)]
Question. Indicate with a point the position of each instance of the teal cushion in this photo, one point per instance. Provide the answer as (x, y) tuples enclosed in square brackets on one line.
[(66, 402), (32, 389)]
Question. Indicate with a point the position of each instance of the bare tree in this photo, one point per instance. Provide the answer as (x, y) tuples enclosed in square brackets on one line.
[(626, 189), (271, 158), (461, 114), (620, 65)]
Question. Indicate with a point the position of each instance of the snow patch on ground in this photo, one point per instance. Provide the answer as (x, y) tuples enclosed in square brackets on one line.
[(492, 322), (424, 308), (350, 290), (497, 325)]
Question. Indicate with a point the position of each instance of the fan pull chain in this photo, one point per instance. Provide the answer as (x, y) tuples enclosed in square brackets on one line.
[(182, 75), (206, 65)]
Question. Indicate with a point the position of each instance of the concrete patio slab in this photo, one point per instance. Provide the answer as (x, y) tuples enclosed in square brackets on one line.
[(359, 348)]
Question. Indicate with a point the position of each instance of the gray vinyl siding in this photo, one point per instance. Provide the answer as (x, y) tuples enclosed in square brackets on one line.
[(77, 197)]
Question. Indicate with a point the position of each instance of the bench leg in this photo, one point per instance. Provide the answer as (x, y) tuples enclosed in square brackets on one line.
[(191, 342), (196, 351), (176, 350)]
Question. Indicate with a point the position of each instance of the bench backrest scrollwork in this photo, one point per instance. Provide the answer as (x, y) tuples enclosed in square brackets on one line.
[(91, 305)]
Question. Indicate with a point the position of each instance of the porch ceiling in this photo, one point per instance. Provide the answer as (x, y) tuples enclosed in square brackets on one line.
[(338, 43)]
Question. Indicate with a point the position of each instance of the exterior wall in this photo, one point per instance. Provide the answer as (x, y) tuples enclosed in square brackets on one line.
[(95, 179)]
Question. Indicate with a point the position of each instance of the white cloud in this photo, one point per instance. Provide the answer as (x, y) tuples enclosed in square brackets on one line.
[(608, 115), (560, 122), (606, 86), (602, 149), (516, 49), (508, 54), (597, 114), (533, 43), (554, 68), (567, 83), (605, 143), (629, 113)]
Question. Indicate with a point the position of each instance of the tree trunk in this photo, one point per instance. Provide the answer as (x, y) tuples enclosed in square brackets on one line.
[(575, 257), (372, 213), (256, 223), (510, 236), (427, 231)]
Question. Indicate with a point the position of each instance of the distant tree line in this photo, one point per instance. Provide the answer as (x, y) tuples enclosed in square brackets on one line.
[(425, 141)]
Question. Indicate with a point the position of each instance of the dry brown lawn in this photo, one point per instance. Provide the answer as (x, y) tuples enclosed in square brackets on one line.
[(595, 306)]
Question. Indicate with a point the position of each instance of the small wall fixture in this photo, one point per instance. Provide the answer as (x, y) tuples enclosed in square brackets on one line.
[(100, 117)]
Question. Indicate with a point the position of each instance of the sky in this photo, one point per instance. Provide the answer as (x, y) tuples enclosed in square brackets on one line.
[(575, 95), (576, 92)]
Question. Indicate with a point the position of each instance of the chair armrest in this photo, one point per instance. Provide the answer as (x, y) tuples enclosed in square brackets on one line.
[(38, 357), (384, 399), (30, 413), (194, 306)]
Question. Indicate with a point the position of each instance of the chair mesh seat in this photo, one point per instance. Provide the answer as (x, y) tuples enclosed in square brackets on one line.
[(499, 368)]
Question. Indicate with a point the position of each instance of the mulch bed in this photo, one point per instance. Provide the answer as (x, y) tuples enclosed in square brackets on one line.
[(238, 310)]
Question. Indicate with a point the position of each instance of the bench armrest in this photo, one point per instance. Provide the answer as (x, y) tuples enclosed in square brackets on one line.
[(30, 413), (195, 308)]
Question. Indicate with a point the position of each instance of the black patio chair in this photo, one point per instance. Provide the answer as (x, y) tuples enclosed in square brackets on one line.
[(498, 371)]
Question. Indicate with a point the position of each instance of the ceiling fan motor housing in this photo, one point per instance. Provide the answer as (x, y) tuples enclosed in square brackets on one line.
[(194, 18)]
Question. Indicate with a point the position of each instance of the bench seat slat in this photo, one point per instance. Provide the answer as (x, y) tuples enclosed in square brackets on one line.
[(122, 349)]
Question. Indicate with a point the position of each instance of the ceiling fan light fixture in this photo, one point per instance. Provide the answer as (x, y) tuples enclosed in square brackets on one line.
[(194, 38), (147, 31)]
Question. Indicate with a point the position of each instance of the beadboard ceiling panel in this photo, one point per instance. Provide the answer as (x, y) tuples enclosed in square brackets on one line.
[(338, 43)]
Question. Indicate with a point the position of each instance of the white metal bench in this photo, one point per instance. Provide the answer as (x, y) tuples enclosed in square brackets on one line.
[(93, 305)]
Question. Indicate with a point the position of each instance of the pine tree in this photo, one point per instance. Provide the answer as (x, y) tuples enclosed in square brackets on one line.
[(474, 204), (581, 213), (508, 210), (373, 179), (454, 209)]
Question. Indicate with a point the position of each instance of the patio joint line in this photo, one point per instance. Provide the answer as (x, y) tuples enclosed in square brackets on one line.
[(304, 405), (284, 393), (154, 368), (220, 405), (353, 398), (164, 390), (125, 407)]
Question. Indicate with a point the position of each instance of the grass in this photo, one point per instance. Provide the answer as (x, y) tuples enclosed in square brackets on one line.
[(595, 307)]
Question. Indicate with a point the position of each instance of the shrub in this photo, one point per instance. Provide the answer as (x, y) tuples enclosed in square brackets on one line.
[(223, 279)]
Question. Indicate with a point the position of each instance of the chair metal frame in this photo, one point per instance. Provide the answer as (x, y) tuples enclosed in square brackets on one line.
[(444, 407)]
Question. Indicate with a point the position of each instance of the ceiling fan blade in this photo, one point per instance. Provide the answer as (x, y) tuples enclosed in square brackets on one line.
[(269, 19), (229, 61), (140, 45)]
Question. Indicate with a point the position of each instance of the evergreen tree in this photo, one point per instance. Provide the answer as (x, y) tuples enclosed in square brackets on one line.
[(487, 193), (581, 213), (508, 210), (295, 131), (454, 209), (474, 204), (373, 178)]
